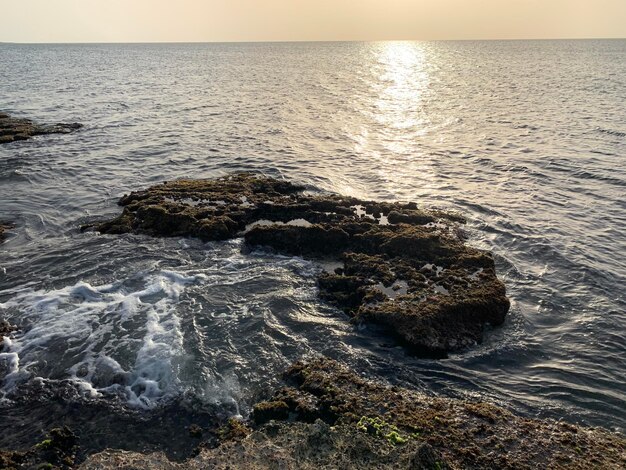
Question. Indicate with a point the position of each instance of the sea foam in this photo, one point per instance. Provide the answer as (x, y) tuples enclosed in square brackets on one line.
[(121, 338)]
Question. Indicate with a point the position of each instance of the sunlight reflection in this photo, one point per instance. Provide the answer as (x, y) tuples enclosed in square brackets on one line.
[(399, 116), (402, 82)]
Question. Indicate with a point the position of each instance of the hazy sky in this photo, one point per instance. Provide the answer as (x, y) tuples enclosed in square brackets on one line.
[(280, 20)]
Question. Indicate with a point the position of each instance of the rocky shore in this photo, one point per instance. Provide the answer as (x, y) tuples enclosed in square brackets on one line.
[(14, 129), (57, 451), (403, 268), (328, 417)]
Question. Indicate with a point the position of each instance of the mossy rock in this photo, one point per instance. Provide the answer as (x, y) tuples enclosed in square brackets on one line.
[(386, 249), (269, 410), (15, 129)]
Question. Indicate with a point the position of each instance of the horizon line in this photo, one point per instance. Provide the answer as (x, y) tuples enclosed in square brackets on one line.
[(277, 41)]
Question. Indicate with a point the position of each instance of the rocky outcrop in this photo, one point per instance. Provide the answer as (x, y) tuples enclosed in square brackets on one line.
[(14, 129), (3, 228), (401, 267), (328, 417)]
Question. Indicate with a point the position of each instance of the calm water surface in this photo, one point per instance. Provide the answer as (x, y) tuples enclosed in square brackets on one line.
[(137, 337)]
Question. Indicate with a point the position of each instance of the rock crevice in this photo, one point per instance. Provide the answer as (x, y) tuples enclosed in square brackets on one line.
[(328, 417)]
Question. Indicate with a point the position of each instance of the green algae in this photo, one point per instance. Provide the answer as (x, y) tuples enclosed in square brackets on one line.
[(380, 428)]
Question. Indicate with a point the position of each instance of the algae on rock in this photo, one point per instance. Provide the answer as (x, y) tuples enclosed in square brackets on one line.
[(404, 268), (57, 451), (337, 419)]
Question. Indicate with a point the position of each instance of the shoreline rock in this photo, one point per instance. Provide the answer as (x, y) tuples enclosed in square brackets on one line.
[(403, 268), (328, 417), (3, 228), (16, 129), (57, 451)]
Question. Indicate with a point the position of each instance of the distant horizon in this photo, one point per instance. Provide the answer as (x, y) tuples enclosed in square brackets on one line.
[(320, 41)]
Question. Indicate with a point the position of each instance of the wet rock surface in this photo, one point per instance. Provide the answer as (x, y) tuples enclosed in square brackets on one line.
[(103, 422), (6, 329), (15, 129), (401, 267), (336, 419), (3, 228), (393, 264), (57, 451)]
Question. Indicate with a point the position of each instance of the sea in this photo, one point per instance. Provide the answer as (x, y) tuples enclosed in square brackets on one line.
[(130, 339)]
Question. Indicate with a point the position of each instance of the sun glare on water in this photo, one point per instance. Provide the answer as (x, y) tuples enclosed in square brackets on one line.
[(397, 113), (402, 82)]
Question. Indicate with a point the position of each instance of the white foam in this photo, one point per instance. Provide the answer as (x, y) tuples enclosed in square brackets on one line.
[(329, 265), (224, 391), (122, 337), (266, 222), (11, 360)]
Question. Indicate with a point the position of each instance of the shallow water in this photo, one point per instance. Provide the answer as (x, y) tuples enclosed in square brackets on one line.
[(527, 139)]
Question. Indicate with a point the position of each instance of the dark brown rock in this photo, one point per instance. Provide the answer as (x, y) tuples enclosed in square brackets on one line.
[(406, 269), (269, 410), (455, 433), (3, 228), (14, 129), (195, 431), (365, 424), (57, 451), (233, 430)]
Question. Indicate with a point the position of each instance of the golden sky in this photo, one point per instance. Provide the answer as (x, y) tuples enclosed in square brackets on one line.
[(295, 20)]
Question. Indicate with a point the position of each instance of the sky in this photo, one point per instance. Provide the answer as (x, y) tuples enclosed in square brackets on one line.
[(306, 20)]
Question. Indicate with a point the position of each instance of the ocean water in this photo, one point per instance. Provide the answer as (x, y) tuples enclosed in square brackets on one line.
[(129, 338)]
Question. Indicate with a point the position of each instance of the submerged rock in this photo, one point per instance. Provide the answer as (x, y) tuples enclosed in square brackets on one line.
[(5, 330), (350, 422), (13, 129), (6, 361), (403, 268), (3, 228)]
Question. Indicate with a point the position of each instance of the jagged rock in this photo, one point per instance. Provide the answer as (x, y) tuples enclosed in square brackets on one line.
[(3, 228), (233, 430), (14, 129), (359, 423), (57, 451), (407, 269)]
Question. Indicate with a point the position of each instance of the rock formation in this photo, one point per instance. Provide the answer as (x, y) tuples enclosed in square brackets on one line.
[(401, 267), (4, 227), (328, 417), (13, 129)]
